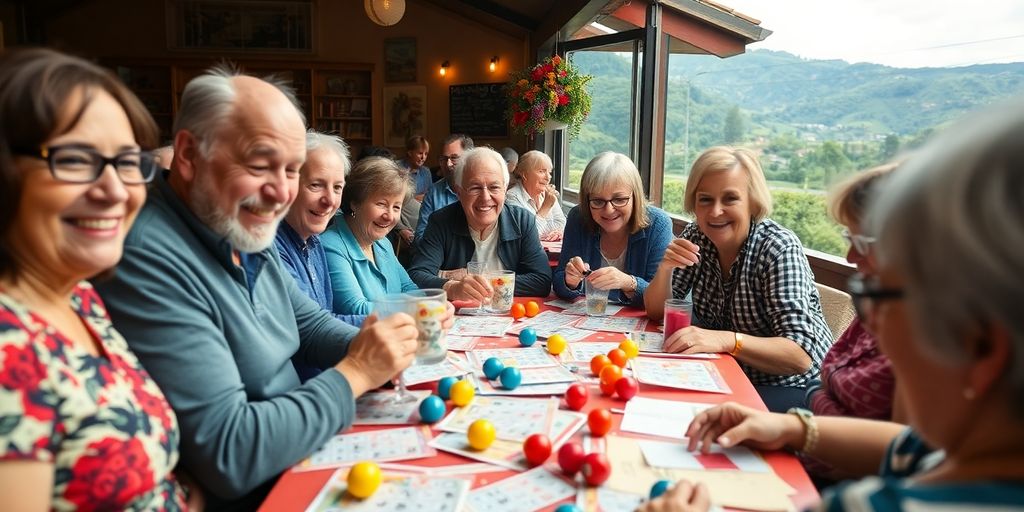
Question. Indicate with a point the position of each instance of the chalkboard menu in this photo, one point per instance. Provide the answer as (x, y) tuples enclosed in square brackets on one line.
[(478, 110)]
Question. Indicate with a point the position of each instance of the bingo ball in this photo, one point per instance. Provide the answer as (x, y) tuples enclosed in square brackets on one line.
[(627, 387), (609, 376), (599, 421), (493, 367), (481, 434), (659, 488), (527, 337), (598, 363), (537, 449), (431, 409), (444, 387), (570, 457), (462, 393), (556, 344), (630, 348), (567, 507), (363, 479), (596, 468), (576, 396), (532, 309), (510, 377), (618, 357), (518, 311)]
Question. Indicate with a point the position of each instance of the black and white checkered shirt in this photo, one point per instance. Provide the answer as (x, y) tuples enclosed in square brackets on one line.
[(769, 292)]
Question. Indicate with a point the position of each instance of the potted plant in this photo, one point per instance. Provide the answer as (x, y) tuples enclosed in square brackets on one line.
[(550, 95)]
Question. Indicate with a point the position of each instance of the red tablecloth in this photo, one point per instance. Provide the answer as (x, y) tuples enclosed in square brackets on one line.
[(296, 490)]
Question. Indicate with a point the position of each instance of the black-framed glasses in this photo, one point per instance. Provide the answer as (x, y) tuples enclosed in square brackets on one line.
[(617, 202), (75, 163), (445, 158), (866, 294), (861, 243)]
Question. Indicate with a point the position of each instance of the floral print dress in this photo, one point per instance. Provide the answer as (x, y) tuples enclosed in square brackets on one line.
[(100, 420)]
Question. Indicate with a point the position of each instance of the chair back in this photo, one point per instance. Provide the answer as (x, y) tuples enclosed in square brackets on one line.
[(837, 306)]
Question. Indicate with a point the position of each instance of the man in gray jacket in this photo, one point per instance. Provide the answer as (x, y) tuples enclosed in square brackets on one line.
[(203, 300)]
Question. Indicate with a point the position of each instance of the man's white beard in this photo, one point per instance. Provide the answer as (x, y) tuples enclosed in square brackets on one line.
[(204, 205)]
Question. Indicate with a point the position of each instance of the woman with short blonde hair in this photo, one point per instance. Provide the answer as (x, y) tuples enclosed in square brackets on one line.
[(613, 238), (535, 192)]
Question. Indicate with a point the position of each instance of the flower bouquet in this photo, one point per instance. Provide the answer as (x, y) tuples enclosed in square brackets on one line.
[(552, 90)]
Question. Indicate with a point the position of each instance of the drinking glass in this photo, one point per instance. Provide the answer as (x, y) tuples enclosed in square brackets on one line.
[(430, 306), (677, 315), (384, 307), (475, 268), (503, 284), (597, 299)]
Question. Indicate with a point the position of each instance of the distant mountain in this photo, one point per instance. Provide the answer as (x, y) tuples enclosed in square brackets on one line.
[(780, 88)]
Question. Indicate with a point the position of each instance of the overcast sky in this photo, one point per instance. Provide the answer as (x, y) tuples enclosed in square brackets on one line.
[(901, 33)]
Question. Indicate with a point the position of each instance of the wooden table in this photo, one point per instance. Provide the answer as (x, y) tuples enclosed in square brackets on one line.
[(296, 490)]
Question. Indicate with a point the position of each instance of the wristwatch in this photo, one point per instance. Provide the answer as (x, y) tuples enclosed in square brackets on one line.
[(810, 428)]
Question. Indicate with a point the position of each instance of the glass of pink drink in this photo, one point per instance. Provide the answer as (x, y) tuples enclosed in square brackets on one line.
[(677, 315)]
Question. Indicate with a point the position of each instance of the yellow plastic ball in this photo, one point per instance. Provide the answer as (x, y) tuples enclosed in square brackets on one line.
[(462, 393), (630, 348), (556, 344), (364, 479), (480, 434)]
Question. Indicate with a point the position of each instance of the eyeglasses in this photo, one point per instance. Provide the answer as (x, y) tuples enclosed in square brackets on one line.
[(445, 158), (75, 163), (867, 294), (617, 202), (493, 190), (861, 243)]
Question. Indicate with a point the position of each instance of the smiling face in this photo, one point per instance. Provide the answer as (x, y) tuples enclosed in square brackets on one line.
[(722, 207), (417, 157), (248, 182), (75, 230), (320, 187), (613, 219), (375, 217), (482, 193), (537, 179)]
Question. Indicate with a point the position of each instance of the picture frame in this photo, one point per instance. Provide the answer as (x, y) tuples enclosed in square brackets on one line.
[(241, 25), (405, 113), (400, 59)]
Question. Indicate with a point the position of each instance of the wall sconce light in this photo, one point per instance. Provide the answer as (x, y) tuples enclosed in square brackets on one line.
[(494, 63), (444, 68)]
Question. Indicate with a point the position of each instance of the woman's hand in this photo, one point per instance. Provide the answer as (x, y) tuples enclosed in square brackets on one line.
[(575, 268), (550, 198), (469, 287), (682, 497), (730, 424), (551, 236), (681, 253), (611, 278), (694, 340)]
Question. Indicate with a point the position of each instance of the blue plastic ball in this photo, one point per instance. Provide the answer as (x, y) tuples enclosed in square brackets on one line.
[(444, 387), (527, 337), (511, 377), (432, 408), (659, 488), (567, 507), (493, 367)]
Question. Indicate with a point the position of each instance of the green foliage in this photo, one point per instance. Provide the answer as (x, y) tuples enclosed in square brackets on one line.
[(804, 214), (733, 131)]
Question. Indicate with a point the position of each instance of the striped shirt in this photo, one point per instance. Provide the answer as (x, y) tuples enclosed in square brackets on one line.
[(770, 292), (892, 490)]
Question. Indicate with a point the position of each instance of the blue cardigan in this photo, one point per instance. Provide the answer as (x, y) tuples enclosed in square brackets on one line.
[(447, 245), (355, 280), (643, 254)]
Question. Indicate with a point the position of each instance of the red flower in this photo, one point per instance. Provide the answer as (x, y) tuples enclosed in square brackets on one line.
[(563, 99), (519, 118), (110, 475), (153, 406), (22, 369), (537, 74)]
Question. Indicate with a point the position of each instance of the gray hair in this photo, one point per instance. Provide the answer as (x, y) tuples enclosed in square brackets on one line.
[(464, 140), (952, 223), (209, 100), (509, 155), (482, 154), (315, 140)]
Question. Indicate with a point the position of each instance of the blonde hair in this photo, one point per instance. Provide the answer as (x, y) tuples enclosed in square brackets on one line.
[(530, 161), (727, 158), (609, 168), (371, 175), (848, 201)]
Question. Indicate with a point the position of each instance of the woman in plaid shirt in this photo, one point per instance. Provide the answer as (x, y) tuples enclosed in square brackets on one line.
[(753, 290)]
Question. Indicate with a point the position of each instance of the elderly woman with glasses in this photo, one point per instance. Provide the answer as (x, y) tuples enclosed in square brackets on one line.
[(613, 238), (753, 290), (480, 228), (945, 304), (83, 425)]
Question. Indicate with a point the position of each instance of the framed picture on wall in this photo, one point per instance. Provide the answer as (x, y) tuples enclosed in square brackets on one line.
[(241, 25), (400, 59), (405, 113)]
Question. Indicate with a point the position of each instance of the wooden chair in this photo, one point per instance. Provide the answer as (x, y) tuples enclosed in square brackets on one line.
[(837, 306)]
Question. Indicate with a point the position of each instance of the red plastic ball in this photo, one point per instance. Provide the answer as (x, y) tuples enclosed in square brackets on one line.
[(627, 387), (599, 421), (570, 457), (596, 468), (576, 396), (537, 449)]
